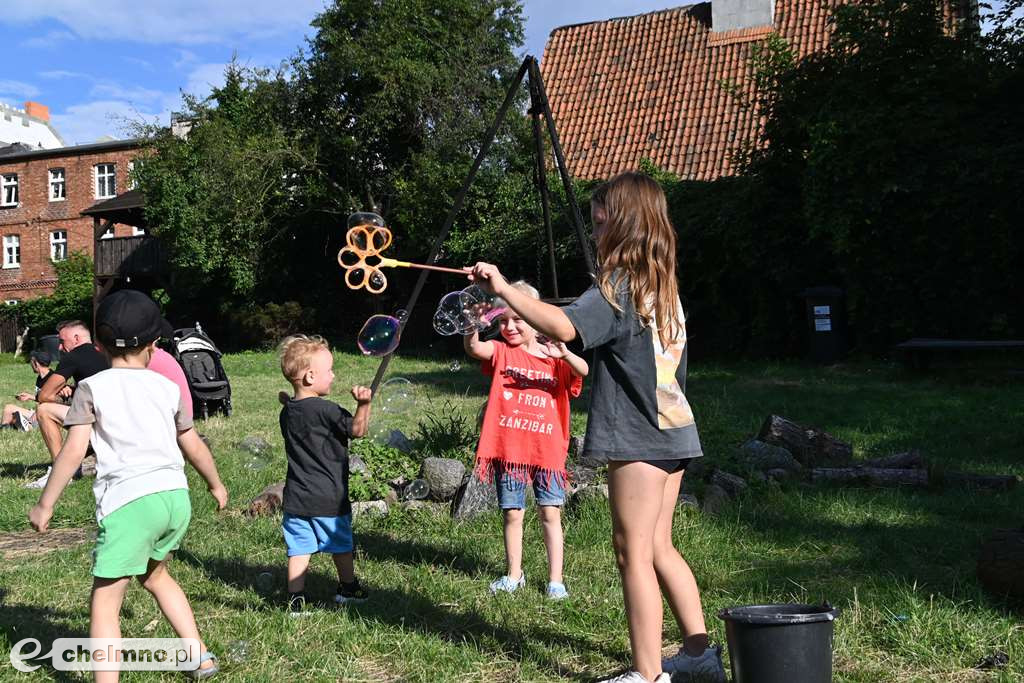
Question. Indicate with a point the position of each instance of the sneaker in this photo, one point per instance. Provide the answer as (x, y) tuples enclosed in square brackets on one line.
[(556, 591), (297, 605), (705, 668), (23, 422), (507, 584), (351, 593), (634, 677), (41, 481)]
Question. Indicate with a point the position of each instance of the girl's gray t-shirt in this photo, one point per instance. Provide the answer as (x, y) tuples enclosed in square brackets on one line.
[(626, 421)]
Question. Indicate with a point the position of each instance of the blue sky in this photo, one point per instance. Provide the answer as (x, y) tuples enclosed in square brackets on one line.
[(99, 65)]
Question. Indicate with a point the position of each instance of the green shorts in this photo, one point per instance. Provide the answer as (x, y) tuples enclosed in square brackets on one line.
[(148, 528)]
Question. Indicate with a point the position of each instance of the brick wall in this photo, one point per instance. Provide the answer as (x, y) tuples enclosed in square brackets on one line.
[(36, 216)]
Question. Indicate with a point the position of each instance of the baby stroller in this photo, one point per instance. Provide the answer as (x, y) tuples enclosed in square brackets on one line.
[(200, 359)]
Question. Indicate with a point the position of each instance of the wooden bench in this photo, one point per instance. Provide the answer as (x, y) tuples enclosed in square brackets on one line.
[(917, 352)]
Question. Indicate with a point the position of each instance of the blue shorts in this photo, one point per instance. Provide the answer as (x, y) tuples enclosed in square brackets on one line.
[(308, 535), (512, 492)]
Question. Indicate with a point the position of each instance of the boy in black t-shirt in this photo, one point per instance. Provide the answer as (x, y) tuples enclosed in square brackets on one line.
[(317, 511)]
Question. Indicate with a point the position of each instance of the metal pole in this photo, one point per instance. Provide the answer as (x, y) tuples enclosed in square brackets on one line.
[(542, 184), (563, 171), (460, 198)]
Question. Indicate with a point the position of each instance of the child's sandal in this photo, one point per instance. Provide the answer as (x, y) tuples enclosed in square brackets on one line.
[(200, 674)]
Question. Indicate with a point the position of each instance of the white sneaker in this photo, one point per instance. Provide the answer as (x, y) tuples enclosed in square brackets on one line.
[(41, 481), (634, 677), (707, 668), (23, 422), (507, 584)]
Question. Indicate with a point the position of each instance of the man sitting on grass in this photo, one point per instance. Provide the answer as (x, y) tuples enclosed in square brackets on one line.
[(17, 417)]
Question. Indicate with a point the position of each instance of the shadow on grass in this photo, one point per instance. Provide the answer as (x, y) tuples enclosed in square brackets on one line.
[(400, 609), (17, 470), (45, 624)]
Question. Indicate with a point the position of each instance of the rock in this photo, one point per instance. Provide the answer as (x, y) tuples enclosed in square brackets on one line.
[(370, 507), (391, 497), (764, 456), (581, 475), (268, 502), (589, 492), (88, 466), (715, 500), (396, 439), (474, 497), (255, 445), (428, 505), (444, 475), (730, 483), (779, 475), (356, 465), (759, 477), (688, 500), (575, 447), (697, 469)]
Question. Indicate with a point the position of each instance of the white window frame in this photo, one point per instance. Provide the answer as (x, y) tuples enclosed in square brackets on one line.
[(108, 234), (138, 232), (12, 251), (106, 180), (58, 243), (9, 189), (58, 186), (12, 302)]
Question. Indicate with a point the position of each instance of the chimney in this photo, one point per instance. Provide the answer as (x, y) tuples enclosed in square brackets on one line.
[(730, 15), (40, 111)]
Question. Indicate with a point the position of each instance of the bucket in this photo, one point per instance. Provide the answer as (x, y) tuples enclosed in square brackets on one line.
[(780, 643)]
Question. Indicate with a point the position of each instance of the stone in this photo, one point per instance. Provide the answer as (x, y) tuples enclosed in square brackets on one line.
[(730, 483), (391, 497), (593, 491), (779, 475), (396, 439), (759, 477), (764, 456), (688, 500), (444, 475), (267, 502), (715, 500), (255, 445), (575, 447), (357, 465), (88, 466), (581, 475), (697, 469), (369, 508), (474, 497)]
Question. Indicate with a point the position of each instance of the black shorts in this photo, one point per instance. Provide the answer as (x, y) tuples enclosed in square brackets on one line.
[(669, 466)]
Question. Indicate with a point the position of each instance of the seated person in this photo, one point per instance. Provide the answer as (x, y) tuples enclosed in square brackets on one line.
[(16, 417), (81, 359)]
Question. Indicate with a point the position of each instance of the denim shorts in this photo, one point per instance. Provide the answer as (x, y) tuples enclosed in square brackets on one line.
[(309, 535), (512, 492)]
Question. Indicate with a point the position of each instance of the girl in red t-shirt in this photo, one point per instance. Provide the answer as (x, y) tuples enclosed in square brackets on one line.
[(525, 435)]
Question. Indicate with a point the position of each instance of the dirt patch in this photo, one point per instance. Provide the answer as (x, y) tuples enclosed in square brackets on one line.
[(19, 545)]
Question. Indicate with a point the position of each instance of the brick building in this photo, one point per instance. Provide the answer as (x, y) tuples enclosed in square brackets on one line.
[(653, 86), (42, 195)]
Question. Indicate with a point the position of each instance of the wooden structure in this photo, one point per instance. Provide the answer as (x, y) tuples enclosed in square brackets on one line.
[(140, 260)]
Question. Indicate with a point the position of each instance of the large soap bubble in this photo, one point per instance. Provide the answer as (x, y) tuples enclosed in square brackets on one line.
[(396, 397), (464, 311), (379, 336), (365, 219)]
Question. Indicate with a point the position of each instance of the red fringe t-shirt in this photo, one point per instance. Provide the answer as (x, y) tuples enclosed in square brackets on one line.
[(526, 424)]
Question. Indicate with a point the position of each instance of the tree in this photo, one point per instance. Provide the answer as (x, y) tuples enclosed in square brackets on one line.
[(71, 298)]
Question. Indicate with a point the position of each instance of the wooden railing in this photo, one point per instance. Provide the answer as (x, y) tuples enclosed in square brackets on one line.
[(129, 256)]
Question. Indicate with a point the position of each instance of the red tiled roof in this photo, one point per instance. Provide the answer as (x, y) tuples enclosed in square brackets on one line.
[(651, 86)]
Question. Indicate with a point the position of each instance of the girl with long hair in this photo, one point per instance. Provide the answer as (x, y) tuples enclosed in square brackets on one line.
[(639, 422)]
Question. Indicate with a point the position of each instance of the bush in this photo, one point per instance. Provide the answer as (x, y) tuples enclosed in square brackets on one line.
[(385, 464), (446, 433), (71, 299)]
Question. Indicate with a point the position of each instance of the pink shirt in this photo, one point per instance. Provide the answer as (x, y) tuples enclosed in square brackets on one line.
[(164, 364)]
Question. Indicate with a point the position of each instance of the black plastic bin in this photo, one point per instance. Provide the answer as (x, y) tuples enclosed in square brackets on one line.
[(827, 340), (780, 643)]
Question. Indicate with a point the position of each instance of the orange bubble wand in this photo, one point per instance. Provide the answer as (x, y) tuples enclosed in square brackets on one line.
[(361, 256)]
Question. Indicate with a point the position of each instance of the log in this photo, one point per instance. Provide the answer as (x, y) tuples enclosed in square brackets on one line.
[(900, 461), (811, 447), (921, 478), (874, 476), (1000, 566)]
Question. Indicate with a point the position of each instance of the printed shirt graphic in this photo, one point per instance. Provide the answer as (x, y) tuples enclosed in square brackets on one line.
[(526, 424), (673, 408)]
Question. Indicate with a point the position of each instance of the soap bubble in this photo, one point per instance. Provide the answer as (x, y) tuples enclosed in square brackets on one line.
[(379, 336), (365, 218), (449, 318), (417, 489), (454, 366), (377, 281), (402, 315), (256, 462), (396, 397), (237, 650)]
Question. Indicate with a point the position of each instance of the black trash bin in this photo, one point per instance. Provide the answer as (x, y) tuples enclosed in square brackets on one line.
[(780, 643), (51, 344), (826, 323)]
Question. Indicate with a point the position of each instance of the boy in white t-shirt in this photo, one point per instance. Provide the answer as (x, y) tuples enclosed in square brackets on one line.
[(135, 421)]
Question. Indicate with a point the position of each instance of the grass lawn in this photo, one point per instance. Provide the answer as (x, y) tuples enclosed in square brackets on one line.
[(900, 564)]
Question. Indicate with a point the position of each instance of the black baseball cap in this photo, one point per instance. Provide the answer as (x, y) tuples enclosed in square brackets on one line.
[(128, 319), (42, 357)]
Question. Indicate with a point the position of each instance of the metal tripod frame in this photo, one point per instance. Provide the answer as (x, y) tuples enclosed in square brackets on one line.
[(539, 108)]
